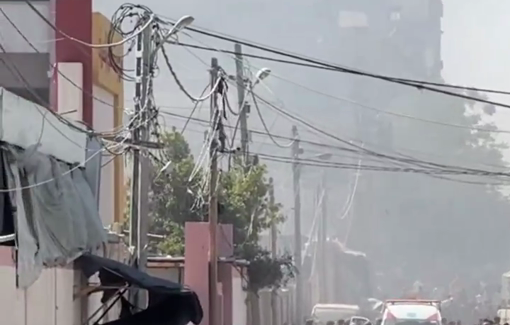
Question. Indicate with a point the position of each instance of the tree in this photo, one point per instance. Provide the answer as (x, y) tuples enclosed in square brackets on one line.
[(178, 195), (173, 199), (423, 221)]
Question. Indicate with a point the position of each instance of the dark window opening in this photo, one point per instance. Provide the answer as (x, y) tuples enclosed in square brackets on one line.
[(6, 207)]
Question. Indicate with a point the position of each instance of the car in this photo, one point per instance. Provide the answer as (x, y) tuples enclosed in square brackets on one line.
[(412, 312), (322, 313)]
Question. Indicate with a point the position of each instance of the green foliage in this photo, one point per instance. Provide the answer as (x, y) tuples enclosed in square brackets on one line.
[(243, 196), (172, 198), (243, 202), (265, 271)]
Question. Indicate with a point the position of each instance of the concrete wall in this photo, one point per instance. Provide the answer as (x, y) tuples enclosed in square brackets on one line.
[(168, 273), (48, 301), (25, 124), (239, 310), (21, 57), (103, 121)]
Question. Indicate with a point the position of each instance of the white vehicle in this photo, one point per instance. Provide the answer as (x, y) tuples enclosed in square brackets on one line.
[(358, 320), (323, 313), (412, 312), (504, 315)]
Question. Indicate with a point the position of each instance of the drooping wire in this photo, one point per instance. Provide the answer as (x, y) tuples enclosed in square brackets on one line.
[(316, 66), (421, 85), (288, 145), (382, 111)]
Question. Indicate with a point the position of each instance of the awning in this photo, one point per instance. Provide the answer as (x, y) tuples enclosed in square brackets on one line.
[(169, 302)]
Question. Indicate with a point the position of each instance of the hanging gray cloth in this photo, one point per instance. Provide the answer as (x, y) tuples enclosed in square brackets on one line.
[(60, 208)]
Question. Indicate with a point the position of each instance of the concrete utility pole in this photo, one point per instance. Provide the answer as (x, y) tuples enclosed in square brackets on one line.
[(296, 172), (140, 178), (323, 239), (274, 235), (213, 203), (243, 106)]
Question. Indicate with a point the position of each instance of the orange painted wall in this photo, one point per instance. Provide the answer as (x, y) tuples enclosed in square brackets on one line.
[(105, 77)]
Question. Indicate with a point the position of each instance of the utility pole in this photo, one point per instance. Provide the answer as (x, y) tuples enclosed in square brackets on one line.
[(296, 173), (140, 177), (274, 234), (243, 106), (323, 239), (213, 203)]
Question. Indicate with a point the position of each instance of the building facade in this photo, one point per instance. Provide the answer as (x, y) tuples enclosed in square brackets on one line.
[(39, 63), (400, 38)]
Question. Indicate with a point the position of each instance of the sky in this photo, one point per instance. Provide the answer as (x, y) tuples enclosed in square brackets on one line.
[(474, 51)]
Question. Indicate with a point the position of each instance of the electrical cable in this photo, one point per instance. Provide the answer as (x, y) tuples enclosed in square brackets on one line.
[(382, 111), (268, 132), (404, 159), (406, 82), (76, 40), (400, 159), (231, 110), (305, 141), (437, 123), (428, 171), (352, 195), (180, 85), (316, 66), (194, 109), (411, 117)]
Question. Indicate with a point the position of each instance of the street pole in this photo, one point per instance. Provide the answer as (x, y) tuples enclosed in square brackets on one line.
[(274, 234), (296, 150), (139, 180), (323, 238), (145, 166), (213, 203), (243, 107)]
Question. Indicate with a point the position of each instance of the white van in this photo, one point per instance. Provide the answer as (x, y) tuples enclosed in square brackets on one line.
[(323, 313), (504, 314), (419, 312)]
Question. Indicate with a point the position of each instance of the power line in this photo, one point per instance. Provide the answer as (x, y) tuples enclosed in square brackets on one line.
[(322, 67), (420, 85), (404, 159), (97, 46), (377, 168), (343, 99), (401, 158)]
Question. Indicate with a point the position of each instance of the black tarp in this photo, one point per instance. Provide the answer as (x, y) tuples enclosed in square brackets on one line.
[(169, 303)]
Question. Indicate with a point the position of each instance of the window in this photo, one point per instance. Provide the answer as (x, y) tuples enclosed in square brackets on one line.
[(352, 19), (395, 16)]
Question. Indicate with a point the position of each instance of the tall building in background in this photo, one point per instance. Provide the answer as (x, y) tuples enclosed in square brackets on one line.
[(399, 38)]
